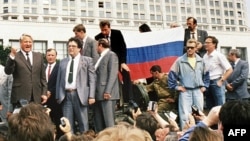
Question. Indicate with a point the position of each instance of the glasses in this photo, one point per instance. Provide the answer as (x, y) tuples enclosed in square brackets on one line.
[(74, 46), (207, 42), (190, 47)]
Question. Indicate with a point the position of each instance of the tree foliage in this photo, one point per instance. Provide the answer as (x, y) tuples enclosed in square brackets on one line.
[(4, 52)]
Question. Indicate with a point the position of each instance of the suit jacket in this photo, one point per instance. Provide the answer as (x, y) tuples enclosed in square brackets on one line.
[(27, 80), (85, 80), (201, 34), (107, 77), (52, 84), (239, 81), (117, 44), (89, 49)]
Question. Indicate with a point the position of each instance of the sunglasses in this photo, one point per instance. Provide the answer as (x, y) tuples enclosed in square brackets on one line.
[(189, 47)]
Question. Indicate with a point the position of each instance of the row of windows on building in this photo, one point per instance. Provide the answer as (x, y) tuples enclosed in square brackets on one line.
[(61, 48)]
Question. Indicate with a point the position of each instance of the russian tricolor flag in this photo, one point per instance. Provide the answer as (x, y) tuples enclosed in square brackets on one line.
[(153, 48)]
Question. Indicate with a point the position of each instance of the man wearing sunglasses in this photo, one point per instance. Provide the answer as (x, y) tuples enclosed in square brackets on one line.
[(189, 76)]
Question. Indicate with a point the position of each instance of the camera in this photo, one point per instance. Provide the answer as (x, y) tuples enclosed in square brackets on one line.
[(62, 122), (195, 110), (152, 105)]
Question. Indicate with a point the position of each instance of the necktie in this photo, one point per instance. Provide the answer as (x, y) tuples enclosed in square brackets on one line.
[(49, 71), (233, 65), (28, 59), (70, 78), (192, 35)]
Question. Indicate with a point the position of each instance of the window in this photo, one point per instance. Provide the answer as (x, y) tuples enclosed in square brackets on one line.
[(83, 13), (203, 11), (135, 6), (152, 8), (14, 43), (40, 46), (119, 15), (198, 11), (243, 52), (100, 4), (238, 5), (125, 15), (152, 17), (26, 1), (34, 10), (141, 6), (218, 12), (231, 13), (5, 1), (183, 11), (218, 21), (211, 3), (188, 10), (173, 9), (212, 11), (14, 9), (240, 22), (90, 4), (204, 20), (230, 5), (217, 4), (5, 10), (142, 16), (136, 16), (108, 14), (45, 11), (226, 13), (239, 14), (61, 48), (225, 50), (213, 20), (26, 10), (125, 6), (226, 21), (232, 22)]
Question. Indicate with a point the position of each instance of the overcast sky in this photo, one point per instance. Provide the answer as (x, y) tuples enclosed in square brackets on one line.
[(248, 11)]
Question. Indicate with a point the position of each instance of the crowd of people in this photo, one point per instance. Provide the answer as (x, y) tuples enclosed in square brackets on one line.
[(58, 100)]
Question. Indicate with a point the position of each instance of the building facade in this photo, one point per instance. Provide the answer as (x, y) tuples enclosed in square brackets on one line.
[(50, 22)]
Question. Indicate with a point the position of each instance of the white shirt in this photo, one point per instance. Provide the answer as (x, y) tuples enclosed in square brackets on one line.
[(47, 69), (30, 56), (76, 63), (195, 34), (100, 58), (216, 63)]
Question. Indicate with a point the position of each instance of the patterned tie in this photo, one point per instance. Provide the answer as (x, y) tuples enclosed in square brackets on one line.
[(28, 59), (70, 78)]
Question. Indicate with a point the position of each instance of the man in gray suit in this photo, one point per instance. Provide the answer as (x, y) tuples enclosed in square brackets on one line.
[(89, 44), (193, 32), (237, 82), (75, 87), (107, 86), (28, 70)]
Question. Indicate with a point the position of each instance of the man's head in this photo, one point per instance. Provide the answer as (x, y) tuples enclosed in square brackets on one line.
[(235, 114), (74, 46), (233, 55), (191, 23), (102, 45), (79, 31), (211, 43), (161, 133), (26, 42), (191, 47), (51, 55), (105, 27), (31, 124), (155, 71), (144, 28)]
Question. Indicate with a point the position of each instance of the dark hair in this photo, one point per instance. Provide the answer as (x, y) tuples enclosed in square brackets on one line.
[(235, 114), (155, 68), (104, 42), (77, 40), (144, 28), (50, 49), (104, 23), (214, 40), (147, 122), (194, 20), (79, 27)]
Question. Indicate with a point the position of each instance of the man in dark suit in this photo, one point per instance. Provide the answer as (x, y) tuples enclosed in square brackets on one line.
[(107, 87), (193, 32), (28, 70), (118, 45), (76, 84), (89, 44), (51, 76), (237, 82)]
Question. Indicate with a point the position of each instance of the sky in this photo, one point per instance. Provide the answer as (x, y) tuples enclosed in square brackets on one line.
[(248, 11)]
